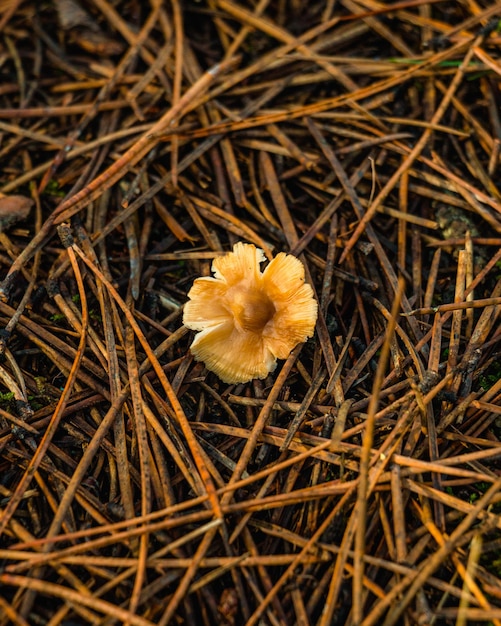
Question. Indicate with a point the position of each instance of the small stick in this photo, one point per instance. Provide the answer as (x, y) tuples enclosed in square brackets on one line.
[(454, 306)]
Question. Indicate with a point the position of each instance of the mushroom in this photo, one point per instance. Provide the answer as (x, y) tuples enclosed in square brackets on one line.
[(247, 319)]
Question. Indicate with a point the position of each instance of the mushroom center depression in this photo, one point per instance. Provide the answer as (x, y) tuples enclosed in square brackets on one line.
[(252, 309)]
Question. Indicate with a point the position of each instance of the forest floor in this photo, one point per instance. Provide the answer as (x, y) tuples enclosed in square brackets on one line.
[(360, 481)]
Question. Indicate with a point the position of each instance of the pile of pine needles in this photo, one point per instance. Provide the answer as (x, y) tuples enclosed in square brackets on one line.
[(360, 482)]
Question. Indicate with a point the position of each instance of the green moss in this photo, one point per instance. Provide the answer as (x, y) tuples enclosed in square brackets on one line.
[(57, 317), (6, 398), (491, 375)]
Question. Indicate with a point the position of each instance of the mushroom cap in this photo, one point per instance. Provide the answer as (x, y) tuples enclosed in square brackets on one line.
[(246, 318)]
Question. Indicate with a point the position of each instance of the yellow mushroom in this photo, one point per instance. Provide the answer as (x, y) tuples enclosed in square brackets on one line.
[(247, 319)]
